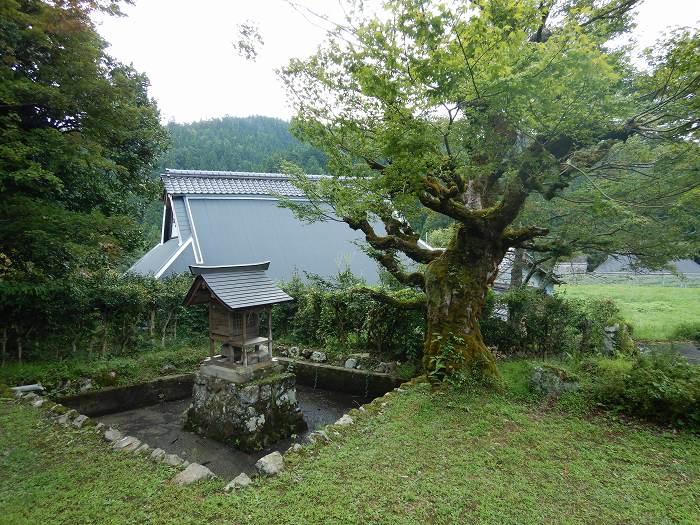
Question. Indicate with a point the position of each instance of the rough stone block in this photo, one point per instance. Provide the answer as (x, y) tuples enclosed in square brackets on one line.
[(320, 436), (158, 455), (270, 465), (239, 482), (112, 434), (143, 449), (173, 460), (193, 473), (318, 357), (344, 420), (127, 444), (79, 421), (296, 447), (63, 419)]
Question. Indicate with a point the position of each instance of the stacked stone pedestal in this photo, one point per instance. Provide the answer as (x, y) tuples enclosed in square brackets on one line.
[(248, 408)]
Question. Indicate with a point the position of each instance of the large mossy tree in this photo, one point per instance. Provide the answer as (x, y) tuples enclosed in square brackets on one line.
[(519, 122)]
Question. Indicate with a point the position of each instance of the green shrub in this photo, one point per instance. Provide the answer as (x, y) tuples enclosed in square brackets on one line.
[(552, 325), (5, 391), (660, 387), (688, 331), (329, 313)]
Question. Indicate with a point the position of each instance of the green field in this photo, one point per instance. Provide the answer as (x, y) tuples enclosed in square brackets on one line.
[(654, 311), (417, 456)]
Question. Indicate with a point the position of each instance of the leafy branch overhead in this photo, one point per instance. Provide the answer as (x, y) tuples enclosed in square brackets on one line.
[(518, 122)]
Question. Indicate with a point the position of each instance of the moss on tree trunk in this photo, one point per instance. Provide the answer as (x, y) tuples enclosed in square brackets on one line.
[(456, 284)]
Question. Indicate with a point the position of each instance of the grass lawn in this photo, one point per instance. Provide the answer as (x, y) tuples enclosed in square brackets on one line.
[(654, 311), (424, 457)]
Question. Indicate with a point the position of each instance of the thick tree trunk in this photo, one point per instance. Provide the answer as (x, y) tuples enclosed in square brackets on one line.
[(456, 284)]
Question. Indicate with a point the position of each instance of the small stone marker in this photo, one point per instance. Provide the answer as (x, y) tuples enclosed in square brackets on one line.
[(112, 434), (79, 421), (239, 482), (193, 473), (270, 465), (351, 362)]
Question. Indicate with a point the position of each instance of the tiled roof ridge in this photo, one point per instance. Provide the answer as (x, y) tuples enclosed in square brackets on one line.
[(206, 174)]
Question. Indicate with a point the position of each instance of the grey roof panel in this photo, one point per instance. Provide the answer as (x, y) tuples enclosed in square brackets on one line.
[(183, 221), (155, 259), (196, 182), (225, 282), (181, 263), (239, 231)]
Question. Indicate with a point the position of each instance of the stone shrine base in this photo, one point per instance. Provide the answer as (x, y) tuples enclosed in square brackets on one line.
[(246, 408)]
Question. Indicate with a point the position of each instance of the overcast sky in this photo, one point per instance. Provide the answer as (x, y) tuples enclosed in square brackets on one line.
[(186, 49)]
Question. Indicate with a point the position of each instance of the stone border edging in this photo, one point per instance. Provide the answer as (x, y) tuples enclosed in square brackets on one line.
[(269, 465), (341, 379)]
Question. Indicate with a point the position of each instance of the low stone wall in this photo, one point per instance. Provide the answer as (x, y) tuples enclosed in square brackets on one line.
[(121, 398), (176, 387), (340, 379)]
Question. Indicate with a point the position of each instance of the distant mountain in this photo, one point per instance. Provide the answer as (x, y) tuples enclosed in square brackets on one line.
[(238, 144)]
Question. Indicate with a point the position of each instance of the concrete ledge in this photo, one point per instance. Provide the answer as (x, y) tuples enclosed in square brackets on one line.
[(121, 398), (340, 379)]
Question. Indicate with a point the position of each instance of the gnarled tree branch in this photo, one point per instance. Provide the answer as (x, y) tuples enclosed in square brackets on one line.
[(393, 300)]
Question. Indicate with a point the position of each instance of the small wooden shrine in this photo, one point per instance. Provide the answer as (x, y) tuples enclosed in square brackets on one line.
[(241, 396), (237, 296)]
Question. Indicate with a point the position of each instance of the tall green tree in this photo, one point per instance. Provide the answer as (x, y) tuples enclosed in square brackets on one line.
[(519, 122), (79, 136)]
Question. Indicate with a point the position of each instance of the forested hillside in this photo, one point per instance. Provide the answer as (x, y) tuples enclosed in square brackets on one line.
[(231, 144), (238, 144)]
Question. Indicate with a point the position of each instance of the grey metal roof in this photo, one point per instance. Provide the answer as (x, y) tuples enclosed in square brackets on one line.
[(239, 286), (155, 258), (199, 182), (237, 231)]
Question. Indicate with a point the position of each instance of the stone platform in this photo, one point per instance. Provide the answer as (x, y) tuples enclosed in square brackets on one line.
[(248, 408)]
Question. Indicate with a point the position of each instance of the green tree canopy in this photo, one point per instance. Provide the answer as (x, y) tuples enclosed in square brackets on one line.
[(518, 122), (78, 139)]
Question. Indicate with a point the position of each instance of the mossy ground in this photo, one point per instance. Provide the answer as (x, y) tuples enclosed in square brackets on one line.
[(425, 457)]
